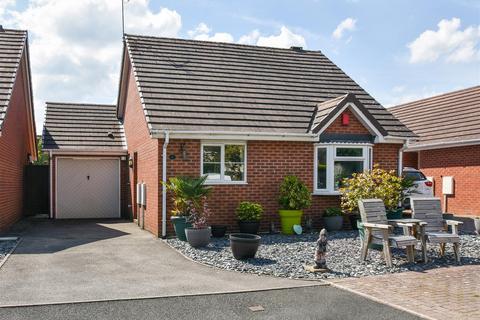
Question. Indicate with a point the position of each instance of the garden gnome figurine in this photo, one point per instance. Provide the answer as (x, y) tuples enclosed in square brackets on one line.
[(320, 252)]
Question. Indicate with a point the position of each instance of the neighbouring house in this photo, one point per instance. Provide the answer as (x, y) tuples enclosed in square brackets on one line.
[(88, 163), (448, 146), (18, 145), (246, 116)]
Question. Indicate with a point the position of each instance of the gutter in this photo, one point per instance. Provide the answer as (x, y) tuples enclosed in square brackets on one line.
[(164, 181), (235, 135), (444, 144)]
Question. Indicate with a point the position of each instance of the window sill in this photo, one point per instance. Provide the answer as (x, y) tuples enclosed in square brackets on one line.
[(214, 183), (326, 193)]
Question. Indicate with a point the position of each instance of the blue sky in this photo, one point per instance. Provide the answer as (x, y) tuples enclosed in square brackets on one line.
[(397, 50)]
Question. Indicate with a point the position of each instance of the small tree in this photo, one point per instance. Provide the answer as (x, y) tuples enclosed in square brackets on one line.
[(189, 195), (294, 194), (42, 158), (374, 184)]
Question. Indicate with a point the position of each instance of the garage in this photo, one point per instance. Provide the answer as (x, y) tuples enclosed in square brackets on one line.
[(87, 188)]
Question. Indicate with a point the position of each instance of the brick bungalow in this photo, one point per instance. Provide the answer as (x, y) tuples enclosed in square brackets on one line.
[(18, 145), (244, 115), (448, 127)]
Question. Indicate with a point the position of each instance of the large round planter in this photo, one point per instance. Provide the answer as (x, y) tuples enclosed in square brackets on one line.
[(395, 214), (179, 224), (334, 223), (244, 245), (476, 222), (218, 231), (198, 237), (250, 227), (289, 218)]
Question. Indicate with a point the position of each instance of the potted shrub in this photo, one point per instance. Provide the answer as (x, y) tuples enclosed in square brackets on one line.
[(333, 219), (187, 194), (249, 215), (198, 235), (244, 245), (294, 197)]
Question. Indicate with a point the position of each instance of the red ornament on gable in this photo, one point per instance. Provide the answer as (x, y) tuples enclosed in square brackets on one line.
[(345, 119)]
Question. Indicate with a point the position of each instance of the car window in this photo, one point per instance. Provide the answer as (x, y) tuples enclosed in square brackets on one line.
[(414, 175)]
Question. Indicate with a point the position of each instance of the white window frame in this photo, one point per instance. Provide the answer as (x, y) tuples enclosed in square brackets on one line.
[(367, 155), (222, 161)]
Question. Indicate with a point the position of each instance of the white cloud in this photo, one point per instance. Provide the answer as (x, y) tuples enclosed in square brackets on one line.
[(348, 24), (250, 38), (448, 42), (4, 5), (75, 46), (285, 39), (202, 32)]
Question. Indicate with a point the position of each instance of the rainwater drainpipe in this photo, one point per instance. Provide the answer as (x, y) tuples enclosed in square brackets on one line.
[(400, 161), (164, 187), (51, 183)]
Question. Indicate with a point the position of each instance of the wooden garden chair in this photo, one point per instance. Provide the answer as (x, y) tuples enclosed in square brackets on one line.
[(378, 231), (435, 229)]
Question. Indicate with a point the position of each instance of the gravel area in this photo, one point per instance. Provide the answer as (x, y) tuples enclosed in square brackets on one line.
[(285, 256), (5, 247)]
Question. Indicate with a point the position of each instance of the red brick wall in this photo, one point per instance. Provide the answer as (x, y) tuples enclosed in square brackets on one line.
[(354, 126), (148, 165), (386, 155), (268, 162), (410, 159), (463, 163), (14, 148)]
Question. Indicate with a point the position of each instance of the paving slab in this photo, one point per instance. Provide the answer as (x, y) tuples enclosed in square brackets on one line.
[(440, 294), (79, 261)]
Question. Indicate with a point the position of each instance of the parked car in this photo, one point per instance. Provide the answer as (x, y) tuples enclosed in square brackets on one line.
[(422, 187)]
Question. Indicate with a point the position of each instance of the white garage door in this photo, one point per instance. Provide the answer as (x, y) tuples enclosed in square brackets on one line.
[(88, 188)]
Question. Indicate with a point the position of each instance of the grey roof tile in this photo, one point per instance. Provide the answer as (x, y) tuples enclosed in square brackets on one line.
[(72, 126), (12, 44), (202, 86), (450, 117)]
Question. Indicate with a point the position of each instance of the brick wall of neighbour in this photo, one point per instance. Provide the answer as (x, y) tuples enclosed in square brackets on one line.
[(410, 159), (354, 126), (14, 148), (463, 163), (148, 163)]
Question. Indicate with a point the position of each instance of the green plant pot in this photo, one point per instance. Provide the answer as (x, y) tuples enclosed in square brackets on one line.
[(179, 224), (289, 218), (361, 232), (395, 214)]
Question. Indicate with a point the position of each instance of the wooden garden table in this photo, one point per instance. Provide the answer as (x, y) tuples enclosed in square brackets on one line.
[(418, 232)]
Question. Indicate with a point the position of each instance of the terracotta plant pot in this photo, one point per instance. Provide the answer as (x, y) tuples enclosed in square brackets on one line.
[(198, 237), (218, 231), (250, 227), (244, 245)]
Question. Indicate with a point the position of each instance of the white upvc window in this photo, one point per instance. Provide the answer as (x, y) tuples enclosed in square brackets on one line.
[(224, 163), (333, 163)]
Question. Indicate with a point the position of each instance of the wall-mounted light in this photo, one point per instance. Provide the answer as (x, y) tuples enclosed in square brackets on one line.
[(130, 162), (183, 151), (29, 158)]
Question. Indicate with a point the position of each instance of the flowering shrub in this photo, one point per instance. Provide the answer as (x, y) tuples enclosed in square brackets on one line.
[(198, 216), (374, 184)]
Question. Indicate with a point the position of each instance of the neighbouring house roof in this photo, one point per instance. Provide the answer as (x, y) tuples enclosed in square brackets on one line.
[(188, 85), (14, 46), (82, 127), (445, 120)]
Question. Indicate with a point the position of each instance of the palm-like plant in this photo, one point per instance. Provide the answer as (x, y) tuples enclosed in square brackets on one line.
[(189, 194)]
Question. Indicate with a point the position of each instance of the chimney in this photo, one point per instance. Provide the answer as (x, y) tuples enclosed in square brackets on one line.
[(298, 49), (1, 28)]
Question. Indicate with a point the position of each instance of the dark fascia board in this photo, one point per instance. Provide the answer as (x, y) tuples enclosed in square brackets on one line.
[(123, 81), (349, 98)]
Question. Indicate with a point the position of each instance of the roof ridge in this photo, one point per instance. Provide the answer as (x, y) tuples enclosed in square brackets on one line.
[(216, 42), (451, 93), (80, 104)]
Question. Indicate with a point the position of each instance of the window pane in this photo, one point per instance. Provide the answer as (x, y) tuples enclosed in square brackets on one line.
[(234, 171), (234, 153), (349, 152), (321, 168), (345, 169), (211, 153), (212, 169)]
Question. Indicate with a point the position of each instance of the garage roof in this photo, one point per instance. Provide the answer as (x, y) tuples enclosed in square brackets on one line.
[(72, 126), (451, 118), (189, 85)]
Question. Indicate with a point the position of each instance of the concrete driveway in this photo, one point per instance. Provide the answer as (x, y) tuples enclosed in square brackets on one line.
[(78, 261)]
